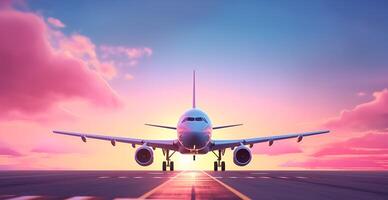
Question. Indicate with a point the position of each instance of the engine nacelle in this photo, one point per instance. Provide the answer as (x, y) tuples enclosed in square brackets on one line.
[(144, 156), (242, 156)]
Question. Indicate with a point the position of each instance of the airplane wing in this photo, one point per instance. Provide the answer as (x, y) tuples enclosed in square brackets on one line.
[(226, 126), (163, 144), (222, 144)]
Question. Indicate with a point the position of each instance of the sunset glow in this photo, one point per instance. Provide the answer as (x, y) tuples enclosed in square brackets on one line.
[(261, 64)]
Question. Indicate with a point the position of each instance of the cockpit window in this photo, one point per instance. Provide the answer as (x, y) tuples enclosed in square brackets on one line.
[(204, 120), (198, 119)]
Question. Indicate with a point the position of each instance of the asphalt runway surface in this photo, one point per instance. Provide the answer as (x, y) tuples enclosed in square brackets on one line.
[(316, 185)]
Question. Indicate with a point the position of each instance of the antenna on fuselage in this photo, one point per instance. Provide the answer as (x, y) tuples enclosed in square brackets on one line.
[(193, 88)]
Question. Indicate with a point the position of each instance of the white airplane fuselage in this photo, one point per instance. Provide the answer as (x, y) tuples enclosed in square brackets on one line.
[(194, 131)]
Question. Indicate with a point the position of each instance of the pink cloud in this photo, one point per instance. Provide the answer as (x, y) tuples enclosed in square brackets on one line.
[(129, 56), (131, 53), (367, 150), (83, 48), (5, 150), (108, 69), (128, 76), (357, 162), (369, 144), (372, 115), (284, 147), (55, 22), (36, 77), (361, 94), (50, 145)]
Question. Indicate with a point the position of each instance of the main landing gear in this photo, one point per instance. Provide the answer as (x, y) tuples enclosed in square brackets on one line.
[(219, 163), (168, 163)]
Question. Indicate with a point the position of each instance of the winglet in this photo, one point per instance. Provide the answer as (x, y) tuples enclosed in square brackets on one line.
[(194, 89)]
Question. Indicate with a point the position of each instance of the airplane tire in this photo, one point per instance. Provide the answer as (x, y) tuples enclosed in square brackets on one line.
[(172, 166), (223, 166), (215, 166), (164, 166)]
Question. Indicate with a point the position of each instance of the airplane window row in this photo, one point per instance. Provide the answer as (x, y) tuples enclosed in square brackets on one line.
[(194, 119)]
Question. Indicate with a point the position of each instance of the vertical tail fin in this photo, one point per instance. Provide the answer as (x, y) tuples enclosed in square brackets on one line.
[(194, 89)]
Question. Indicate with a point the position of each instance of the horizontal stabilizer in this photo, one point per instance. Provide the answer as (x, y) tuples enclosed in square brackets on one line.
[(227, 126), (161, 126)]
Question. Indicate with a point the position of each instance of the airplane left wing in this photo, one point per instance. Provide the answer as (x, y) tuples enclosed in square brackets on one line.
[(163, 144), (222, 144)]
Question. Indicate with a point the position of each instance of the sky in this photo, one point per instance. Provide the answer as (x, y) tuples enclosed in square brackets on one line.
[(278, 67)]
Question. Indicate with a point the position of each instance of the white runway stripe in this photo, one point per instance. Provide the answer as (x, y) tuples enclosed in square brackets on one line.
[(155, 173), (283, 177), (122, 177), (250, 177), (81, 198), (25, 198), (265, 177), (301, 177), (157, 177), (259, 173), (138, 177), (104, 177)]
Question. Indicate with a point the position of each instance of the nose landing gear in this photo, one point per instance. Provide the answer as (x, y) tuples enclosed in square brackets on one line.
[(168, 162), (219, 163)]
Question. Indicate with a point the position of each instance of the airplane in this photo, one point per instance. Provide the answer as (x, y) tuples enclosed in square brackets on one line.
[(194, 132)]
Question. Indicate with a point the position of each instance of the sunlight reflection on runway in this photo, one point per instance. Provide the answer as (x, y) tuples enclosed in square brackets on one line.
[(191, 185)]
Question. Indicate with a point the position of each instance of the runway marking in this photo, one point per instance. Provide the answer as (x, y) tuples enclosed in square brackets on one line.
[(259, 173), (138, 177), (104, 177), (121, 177), (6, 196), (25, 198), (283, 177), (250, 177), (149, 193), (157, 177), (301, 177), (232, 177), (155, 173), (239, 194), (81, 198), (265, 177), (217, 176)]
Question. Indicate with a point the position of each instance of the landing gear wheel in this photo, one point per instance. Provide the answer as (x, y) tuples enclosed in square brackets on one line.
[(164, 166), (172, 166), (215, 166), (223, 166)]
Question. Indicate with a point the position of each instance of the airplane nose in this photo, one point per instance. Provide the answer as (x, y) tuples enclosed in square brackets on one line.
[(194, 140)]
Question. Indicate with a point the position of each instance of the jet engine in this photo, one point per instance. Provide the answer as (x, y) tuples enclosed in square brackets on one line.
[(144, 156), (242, 156)]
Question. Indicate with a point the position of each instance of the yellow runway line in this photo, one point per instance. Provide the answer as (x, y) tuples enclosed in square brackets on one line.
[(149, 193), (239, 194)]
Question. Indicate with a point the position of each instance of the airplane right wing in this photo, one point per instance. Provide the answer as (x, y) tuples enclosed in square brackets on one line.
[(163, 144), (222, 144)]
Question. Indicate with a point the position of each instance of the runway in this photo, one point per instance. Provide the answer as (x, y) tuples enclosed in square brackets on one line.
[(193, 185)]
